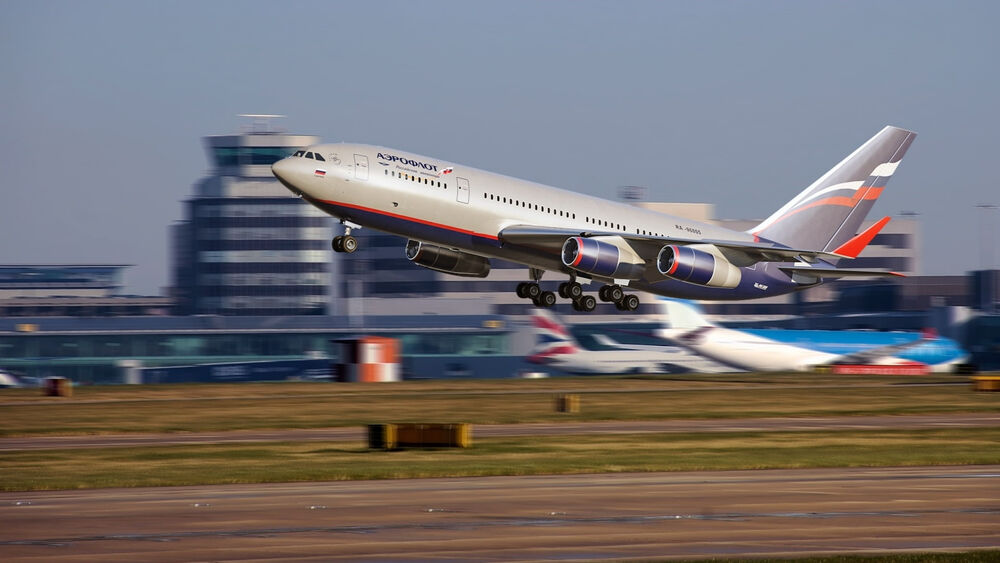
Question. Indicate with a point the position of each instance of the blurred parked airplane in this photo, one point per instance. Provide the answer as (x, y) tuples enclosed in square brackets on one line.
[(803, 350), (458, 217), (556, 347)]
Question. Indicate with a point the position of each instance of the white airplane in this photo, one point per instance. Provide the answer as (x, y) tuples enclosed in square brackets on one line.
[(457, 218), (803, 350), (555, 347)]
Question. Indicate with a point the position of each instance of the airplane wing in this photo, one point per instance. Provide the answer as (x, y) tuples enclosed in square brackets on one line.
[(809, 274), (551, 239)]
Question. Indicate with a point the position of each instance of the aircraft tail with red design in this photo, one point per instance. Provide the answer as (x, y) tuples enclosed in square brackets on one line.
[(552, 338), (826, 216)]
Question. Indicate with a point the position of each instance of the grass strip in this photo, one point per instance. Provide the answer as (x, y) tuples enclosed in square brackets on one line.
[(287, 462), (281, 406)]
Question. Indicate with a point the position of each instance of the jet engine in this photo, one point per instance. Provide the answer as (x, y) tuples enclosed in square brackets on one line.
[(446, 260), (702, 264), (605, 257)]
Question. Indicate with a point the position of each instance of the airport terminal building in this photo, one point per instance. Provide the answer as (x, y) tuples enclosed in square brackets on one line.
[(95, 350), (246, 246)]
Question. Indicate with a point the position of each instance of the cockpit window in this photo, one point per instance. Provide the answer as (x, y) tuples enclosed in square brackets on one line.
[(319, 157), (299, 153), (309, 155)]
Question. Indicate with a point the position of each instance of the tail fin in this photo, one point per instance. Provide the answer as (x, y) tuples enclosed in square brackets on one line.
[(828, 213), (681, 314), (552, 337)]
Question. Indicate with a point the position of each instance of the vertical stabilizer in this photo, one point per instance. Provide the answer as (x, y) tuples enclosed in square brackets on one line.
[(681, 314), (552, 338), (829, 212)]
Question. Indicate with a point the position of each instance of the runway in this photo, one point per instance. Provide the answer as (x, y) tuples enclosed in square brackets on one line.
[(576, 517), (775, 424)]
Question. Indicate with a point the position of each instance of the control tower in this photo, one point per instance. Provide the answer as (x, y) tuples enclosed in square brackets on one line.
[(246, 245)]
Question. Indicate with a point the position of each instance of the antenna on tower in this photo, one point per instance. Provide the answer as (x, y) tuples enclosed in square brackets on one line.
[(261, 124)]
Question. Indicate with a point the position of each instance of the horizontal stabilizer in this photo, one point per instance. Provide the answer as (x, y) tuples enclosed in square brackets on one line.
[(853, 247)]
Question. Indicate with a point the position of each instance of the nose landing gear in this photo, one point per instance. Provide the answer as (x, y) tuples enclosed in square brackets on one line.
[(346, 243)]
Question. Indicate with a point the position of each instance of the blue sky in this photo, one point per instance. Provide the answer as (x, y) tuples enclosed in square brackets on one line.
[(740, 104)]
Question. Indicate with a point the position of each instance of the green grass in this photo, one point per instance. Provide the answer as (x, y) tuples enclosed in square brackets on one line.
[(286, 462), (210, 408)]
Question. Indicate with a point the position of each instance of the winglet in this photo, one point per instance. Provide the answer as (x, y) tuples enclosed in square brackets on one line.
[(853, 247)]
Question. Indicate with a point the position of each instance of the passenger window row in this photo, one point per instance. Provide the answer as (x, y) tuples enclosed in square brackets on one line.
[(534, 206), (417, 179), (561, 213)]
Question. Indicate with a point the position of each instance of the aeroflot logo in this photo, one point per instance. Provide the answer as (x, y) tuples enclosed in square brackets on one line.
[(407, 161)]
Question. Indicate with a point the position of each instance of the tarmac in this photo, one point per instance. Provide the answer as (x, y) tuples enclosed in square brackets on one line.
[(766, 513)]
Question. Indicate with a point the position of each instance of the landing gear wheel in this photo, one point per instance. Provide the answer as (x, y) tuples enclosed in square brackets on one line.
[(574, 290), (630, 302), (348, 244), (337, 244), (585, 303), (562, 290), (532, 291), (603, 293), (615, 293), (521, 290), (546, 299)]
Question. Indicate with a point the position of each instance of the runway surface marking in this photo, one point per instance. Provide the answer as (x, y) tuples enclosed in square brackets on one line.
[(606, 516)]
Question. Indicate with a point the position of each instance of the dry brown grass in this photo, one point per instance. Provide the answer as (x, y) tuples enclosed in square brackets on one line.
[(199, 408)]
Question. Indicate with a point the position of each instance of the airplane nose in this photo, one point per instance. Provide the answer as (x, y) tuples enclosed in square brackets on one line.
[(282, 170)]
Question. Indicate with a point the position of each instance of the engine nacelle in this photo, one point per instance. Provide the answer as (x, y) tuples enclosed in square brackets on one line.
[(446, 260), (605, 257), (702, 264)]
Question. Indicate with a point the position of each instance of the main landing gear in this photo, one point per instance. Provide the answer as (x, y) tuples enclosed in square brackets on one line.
[(573, 291), (531, 290), (623, 301), (346, 243)]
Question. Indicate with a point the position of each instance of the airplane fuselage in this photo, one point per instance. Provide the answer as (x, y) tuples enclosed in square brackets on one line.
[(803, 350), (464, 208)]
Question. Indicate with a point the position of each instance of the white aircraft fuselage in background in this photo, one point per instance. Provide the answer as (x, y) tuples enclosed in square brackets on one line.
[(458, 217), (803, 350)]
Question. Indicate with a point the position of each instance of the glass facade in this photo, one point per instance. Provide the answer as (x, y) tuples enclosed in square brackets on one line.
[(92, 357), (60, 277), (243, 156)]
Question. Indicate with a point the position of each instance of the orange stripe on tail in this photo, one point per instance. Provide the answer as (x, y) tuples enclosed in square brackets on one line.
[(853, 247)]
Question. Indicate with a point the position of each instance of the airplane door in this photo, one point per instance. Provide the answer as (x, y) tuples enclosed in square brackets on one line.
[(463, 190), (361, 167)]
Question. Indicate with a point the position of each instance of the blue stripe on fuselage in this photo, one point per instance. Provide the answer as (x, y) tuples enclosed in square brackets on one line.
[(843, 342)]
